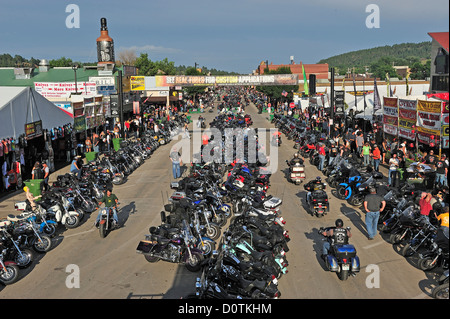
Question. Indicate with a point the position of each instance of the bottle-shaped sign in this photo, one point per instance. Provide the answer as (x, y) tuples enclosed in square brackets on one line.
[(105, 45)]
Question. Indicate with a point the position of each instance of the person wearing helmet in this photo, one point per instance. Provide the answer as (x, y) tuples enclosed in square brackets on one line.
[(315, 184), (335, 235), (296, 159), (374, 204)]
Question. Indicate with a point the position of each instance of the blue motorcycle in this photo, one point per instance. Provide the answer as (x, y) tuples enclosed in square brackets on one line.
[(342, 259)]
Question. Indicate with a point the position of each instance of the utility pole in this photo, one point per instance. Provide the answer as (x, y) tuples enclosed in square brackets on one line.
[(120, 93)]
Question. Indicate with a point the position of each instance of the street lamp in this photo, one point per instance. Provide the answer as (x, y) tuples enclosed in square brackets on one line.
[(74, 68)]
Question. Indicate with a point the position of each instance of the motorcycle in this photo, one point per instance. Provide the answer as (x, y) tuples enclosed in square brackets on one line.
[(175, 250), (22, 257), (441, 291), (106, 222), (317, 200), (296, 173), (9, 271), (342, 259)]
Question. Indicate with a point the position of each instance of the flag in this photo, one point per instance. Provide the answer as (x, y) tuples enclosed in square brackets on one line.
[(407, 83), (395, 89), (388, 87), (354, 90), (343, 84), (376, 97), (284, 93), (305, 81), (410, 90), (364, 96)]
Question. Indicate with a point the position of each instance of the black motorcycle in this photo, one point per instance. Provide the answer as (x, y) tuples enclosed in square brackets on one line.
[(177, 249)]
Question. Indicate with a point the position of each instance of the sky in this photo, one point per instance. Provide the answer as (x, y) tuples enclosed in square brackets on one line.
[(230, 35)]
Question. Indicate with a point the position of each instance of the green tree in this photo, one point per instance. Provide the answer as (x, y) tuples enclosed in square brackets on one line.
[(275, 91), (193, 90), (61, 62)]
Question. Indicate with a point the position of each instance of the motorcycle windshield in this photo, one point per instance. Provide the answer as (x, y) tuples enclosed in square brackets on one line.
[(389, 196), (366, 183)]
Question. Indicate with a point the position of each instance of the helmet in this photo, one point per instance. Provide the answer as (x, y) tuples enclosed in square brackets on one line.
[(25, 189), (339, 223), (318, 179), (296, 155)]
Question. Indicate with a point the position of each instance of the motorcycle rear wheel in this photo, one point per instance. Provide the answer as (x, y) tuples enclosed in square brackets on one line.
[(341, 192), (440, 292), (151, 259), (343, 275)]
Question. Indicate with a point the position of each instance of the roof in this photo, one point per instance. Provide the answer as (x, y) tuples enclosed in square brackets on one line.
[(7, 77), (9, 93), (320, 70), (441, 38)]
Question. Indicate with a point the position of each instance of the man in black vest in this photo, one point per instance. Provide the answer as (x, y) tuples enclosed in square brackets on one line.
[(337, 235)]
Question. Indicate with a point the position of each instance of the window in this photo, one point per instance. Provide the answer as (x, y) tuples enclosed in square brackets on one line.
[(440, 83)]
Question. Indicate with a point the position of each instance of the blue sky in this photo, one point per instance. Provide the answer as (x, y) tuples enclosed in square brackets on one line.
[(231, 35)]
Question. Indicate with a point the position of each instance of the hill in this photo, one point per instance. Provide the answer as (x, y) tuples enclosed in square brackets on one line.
[(400, 54)]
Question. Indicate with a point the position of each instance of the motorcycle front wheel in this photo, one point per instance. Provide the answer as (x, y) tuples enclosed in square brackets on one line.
[(341, 192), (24, 260), (42, 245), (213, 231), (9, 275), (426, 264), (193, 263), (102, 230)]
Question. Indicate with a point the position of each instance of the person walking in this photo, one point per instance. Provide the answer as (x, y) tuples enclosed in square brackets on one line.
[(46, 170), (366, 154), (376, 155), (393, 167), (175, 157), (441, 171), (322, 155), (374, 204)]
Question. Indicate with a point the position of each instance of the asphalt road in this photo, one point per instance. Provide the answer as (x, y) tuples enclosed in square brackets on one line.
[(84, 266)]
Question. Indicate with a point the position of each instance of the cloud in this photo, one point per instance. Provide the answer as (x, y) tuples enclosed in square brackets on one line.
[(149, 48)]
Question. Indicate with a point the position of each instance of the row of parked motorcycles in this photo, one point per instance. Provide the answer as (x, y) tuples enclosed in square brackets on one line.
[(415, 235), (220, 221), (68, 201)]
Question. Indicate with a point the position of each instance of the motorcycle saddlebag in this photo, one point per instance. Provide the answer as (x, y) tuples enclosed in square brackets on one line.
[(345, 251), (144, 246), (272, 203)]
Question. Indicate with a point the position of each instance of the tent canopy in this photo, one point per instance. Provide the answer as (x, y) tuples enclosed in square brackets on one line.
[(22, 105)]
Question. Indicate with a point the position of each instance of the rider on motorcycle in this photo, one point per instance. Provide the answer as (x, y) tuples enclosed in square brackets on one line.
[(335, 235), (296, 159), (313, 185), (111, 202)]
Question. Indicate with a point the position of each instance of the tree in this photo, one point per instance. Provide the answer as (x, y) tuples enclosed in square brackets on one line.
[(61, 62), (193, 90), (127, 57), (275, 91)]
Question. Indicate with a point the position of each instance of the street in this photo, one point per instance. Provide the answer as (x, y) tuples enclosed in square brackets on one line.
[(84, 266)]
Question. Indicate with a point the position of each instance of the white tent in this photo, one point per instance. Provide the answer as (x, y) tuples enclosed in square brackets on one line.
[(22, 105)]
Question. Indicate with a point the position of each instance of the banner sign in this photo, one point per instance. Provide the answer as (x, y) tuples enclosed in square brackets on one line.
[(406, 133), (137, 83), (431, 121), (64, 89), (407, 104), (429, 106), (33, 130), (390, 101), (427, 136), (390, 111), (199, 80), (391, 120), (390, 129)]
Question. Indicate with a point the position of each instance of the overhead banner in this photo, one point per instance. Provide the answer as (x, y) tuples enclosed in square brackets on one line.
[(200, 80), (407, 118)]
